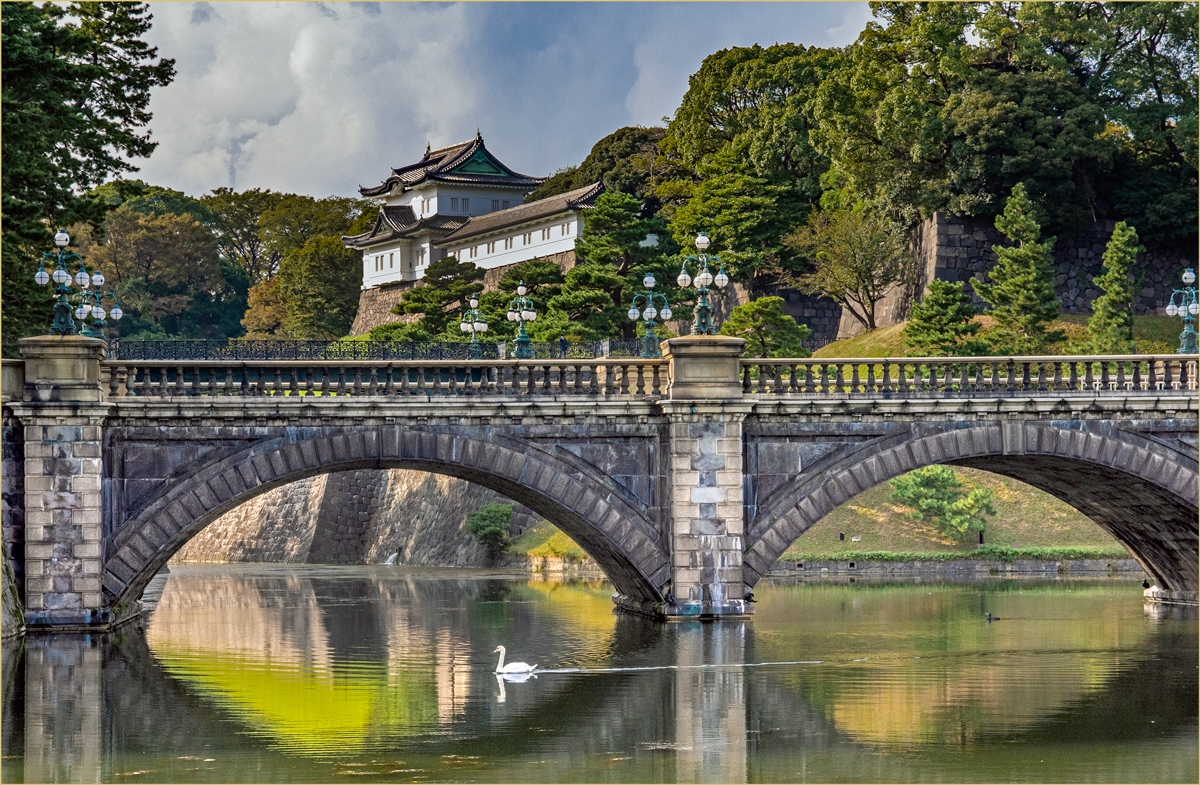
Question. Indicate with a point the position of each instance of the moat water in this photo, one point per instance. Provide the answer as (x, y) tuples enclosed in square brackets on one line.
[(309, 674)]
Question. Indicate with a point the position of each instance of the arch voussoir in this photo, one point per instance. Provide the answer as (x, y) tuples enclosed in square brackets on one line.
[(611, 528), (1155, 482)]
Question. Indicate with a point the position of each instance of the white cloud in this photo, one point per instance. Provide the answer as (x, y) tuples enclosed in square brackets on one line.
[(320, 98)]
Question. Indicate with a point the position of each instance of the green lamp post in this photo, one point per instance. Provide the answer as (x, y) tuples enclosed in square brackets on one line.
[(520, 309), (1183, 304), (474, 322), (90, 302), (649, 313), (703, 323)]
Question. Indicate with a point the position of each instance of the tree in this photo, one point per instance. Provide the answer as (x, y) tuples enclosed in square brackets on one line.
[(768, 331), (937, 497), (940, 325), (490, 525), (1110, 329), (543, 280), (441, 296), (596, 292), (320, 284), (236, 219), (1021, 292), (293, 220), (857, 255), (162, 267), (265, 310), (624, 161), (77, 81)]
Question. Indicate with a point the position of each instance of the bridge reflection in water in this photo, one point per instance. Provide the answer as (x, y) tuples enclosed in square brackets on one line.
[(311, 674)]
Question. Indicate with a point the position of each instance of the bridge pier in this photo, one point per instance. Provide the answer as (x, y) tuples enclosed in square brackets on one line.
[(705, 410), (63, 479)]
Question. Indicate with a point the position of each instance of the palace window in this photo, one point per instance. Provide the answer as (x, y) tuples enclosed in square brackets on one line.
[(566, 229), (545, 234), (527, 238), (491, 247), (466, 205), (504, 205), (474, 251), (495, 205), (454, 205), (391, 261), (508, 242)]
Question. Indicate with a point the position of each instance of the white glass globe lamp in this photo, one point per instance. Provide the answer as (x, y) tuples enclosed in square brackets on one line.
[(62, 239), (702, 242), (41, 277)]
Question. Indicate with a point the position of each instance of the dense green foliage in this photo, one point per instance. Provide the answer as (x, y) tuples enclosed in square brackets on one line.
[(77, 81), (940, 324), (768, 331), (624, 161), (445, 292), (320, 283), (1110, 329), (1021, 289), (489, 524), (938, 498)]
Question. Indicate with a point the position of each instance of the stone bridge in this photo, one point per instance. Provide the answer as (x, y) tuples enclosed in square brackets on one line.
[(684, 478)]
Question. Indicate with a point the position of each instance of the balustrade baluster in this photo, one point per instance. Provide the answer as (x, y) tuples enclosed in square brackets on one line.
[(341, 381), (357, 388), (641, 380), (1120, 375), (902, 378), (1153, 382), (594, 380), (872, 382), (1169, 381), (761, 386), (1104, 377), (577, 379), (1041, 378), (1088, 377), (451, 380), (792, 387), (1058, 380)]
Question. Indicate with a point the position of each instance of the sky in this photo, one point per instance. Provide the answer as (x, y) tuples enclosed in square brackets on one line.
[(320, 98)]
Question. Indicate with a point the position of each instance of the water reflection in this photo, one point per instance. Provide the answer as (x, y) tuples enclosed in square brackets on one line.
[(318, 673)]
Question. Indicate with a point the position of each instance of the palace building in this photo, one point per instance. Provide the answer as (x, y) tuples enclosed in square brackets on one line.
[(461, 200)]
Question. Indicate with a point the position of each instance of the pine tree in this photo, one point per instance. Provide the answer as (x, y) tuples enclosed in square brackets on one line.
[(1021, 292), (768, 331), (940, 325), (1110, 330), (442, 295)]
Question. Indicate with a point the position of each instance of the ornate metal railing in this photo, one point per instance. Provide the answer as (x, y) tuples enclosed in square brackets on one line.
[(969, 376), (617, 377)]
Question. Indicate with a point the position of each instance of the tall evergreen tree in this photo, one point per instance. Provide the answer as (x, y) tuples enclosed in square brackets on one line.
[(940, 325), (442, 295), (1021, 292), (768, 331), (1110, 330)]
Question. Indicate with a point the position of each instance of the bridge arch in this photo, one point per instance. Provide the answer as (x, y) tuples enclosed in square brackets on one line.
[(1143, 492), (614, 528)]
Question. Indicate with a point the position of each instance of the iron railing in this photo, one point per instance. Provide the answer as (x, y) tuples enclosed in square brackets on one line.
[(287, 349), (969, 376)]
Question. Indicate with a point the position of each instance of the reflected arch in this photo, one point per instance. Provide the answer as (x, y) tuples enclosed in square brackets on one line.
[(612, 526), (1143, 492)]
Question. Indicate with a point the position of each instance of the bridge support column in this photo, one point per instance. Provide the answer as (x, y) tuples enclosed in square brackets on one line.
[(63, 413), (706, 413)]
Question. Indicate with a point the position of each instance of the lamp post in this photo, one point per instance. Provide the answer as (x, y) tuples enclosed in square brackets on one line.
[(649, 312), (703, 323), (1183, 304), (90, 302), (520, 309), (474, 322)]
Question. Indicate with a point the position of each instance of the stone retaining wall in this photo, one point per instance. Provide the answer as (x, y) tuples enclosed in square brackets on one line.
[(960, 568), (953, 248)]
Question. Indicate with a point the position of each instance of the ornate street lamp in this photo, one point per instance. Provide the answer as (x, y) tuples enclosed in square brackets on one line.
[(649, 312), (474, 322), (90, 303), (703, 323), (520, 309), (1183, 304)]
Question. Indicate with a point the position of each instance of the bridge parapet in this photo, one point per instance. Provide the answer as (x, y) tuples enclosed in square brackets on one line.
[(969, 376)]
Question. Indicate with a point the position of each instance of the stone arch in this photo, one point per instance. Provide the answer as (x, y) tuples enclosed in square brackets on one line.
[(611, 526), (1142, 492)]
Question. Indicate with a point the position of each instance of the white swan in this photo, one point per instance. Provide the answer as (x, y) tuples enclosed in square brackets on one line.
[(512, 667)]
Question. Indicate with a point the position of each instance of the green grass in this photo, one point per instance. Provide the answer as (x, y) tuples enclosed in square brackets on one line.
[(543, 540), (983, 552), (1153, 335)]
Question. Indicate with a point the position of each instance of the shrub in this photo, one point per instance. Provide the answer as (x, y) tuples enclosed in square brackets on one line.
[(489, 524), (937, 497)]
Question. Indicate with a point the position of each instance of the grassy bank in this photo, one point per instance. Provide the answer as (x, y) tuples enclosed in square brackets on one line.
[(1153, 335)]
